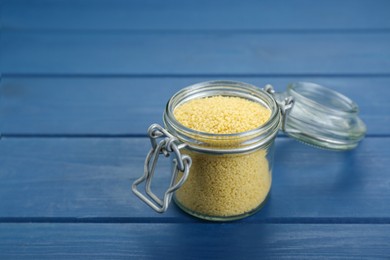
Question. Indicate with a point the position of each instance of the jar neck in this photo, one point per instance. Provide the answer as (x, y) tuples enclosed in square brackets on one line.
[(223, 143)]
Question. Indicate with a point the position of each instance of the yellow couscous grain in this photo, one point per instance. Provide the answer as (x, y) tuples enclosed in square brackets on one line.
[(222, 115), (224, 185)]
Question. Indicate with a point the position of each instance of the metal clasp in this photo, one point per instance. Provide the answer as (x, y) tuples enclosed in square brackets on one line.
[(285, 103), (167, 145)]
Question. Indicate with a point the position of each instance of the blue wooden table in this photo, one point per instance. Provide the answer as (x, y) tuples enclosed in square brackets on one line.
[(82, 80)]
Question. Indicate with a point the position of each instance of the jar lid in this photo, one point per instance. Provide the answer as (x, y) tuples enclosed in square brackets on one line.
[(321, 117)]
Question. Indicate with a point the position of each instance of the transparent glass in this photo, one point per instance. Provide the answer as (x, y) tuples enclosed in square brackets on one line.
[(323, 117), (231, 174)]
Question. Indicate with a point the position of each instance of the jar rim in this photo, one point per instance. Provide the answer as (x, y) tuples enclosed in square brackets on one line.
[(321, 98), (337, 125), (266, 131)]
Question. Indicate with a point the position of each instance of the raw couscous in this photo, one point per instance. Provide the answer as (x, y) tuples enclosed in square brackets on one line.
[(224, 185)]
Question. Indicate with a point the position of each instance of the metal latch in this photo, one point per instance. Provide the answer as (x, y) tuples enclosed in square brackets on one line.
[(167, 145)]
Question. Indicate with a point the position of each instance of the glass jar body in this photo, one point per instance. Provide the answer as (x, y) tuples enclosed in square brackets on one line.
[(223, 187), (231, 174)]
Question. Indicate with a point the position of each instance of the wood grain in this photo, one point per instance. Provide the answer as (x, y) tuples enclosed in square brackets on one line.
[(195, 15), (89, 179), (127, 106), (194, 241), (142, 53), (80, 81)]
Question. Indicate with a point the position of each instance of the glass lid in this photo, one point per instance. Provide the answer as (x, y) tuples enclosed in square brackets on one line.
[(321, 117)]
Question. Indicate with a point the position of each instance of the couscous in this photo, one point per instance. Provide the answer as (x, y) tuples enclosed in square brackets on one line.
[(224, 185)]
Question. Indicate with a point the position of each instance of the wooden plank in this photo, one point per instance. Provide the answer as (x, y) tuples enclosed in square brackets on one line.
[(89, 179), (194, 241), (195, 15), (127, 106), (107, 53)]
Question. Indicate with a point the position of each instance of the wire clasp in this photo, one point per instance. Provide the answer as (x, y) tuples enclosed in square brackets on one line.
[(167, 145)]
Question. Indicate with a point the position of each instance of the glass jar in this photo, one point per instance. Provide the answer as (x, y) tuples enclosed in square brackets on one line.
[(224, 177), (230, 176)]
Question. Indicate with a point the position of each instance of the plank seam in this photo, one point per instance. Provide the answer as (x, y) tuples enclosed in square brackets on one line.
[(189, 75), (129, 220), (10, 29)]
